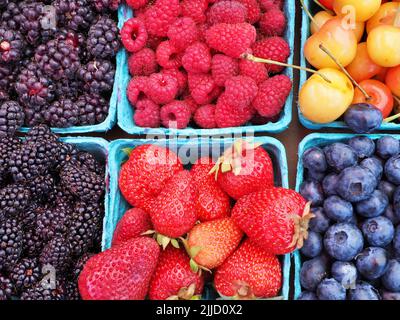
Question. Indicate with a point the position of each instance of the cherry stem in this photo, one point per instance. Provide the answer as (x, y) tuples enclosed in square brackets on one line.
[(397, 18), (392, 118), (277, 63), (323, 7), (397, 100), (367, 96), (307, 11)]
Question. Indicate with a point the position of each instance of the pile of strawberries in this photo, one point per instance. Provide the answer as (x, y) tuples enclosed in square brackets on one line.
[(222, 222), (190, 61)]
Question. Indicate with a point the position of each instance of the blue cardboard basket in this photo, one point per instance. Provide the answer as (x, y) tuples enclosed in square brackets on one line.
[(305, 34), (126, 112), (196, 148)]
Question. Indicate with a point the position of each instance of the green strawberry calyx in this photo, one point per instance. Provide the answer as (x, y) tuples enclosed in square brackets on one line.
[(193, 252), (301, 225), (162, 240), (186, 293)]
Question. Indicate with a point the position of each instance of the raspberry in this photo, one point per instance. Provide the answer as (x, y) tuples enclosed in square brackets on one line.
[(253, 10), (274, 48), (180, 76), (203, 88), (254, 70), (231, 39), (193, 106), (153, 42), (197, 58), (227, 12), (160, 16), (161, 88), (272, 95), (273, 23), (182, 33), (136, 4), (175, 115), (240, 91), (147, 114), (195, 9), (222, 68), (142, 63), (167, 56), (205, 116), (134, 35), (230, 116), (270, 4), (136, 88)]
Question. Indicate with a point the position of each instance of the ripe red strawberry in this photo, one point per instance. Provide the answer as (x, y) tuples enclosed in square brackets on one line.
[(211, 202), (275, 219), (173, 278), (132, 225), (210, 243), (144, 175), (120, 273), (249, 272), (244, 168)]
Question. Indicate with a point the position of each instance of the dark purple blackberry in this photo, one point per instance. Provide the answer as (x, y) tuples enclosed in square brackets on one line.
[(93, 109), (57, 253), (105, 5), (41, 187), (6, 81), (103, 38), (7, 146), (32, 244), (11, 237), (68, 89), (63, 113), (98, 76), (12, 45), (11, 118), (33, 116), (7, 288), (27, 217), (26, 274), (14, 199), (12, 15), (45, 290), (88, 160), (76, 39), (41, 133), (68, 152), (3, 3), (74, 14), (79, 264), (72, 291)]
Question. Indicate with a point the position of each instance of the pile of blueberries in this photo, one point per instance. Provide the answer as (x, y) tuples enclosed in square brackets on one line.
[(353, 248)]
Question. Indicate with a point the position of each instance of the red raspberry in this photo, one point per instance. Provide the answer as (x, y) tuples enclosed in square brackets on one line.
[(193, 106), (161, 88), (227, 12), (197, 58), (137, 4), (136, 89), (203, 88), (134, 35), (240, 91), (229, 116), (195, 9), (254, 70), (153, 42), (253, 10), (222, 68), (142, 63), (270, 4), (231, 39), (205, 117), (273, 23), (167, 56), (272, 95), (180, 76), (274, 48), (147, 114), (160, 16), (175, 115), (202, 31), (182, 33)]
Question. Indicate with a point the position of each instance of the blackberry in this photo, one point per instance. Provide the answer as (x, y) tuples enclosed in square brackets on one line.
[(72, 291), (26, 273), (45, 291), (6, 81), (7, 146), (68, 89), (3, 3), (10, 243), (41, 187), (6, 288), (57, 253), (14, 199), (63, 113), (12, 45), (98, 76), (68, 152), (75, 39), (74, 14), (103, 38), (27, 217), (11, 118), (79, 264), (32, 243), (88, 160), (93, 109), (12, 15), (104, 5), (33, 116), (41, 132)]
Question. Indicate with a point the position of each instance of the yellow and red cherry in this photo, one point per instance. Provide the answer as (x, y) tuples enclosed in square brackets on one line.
[(363, 9), (384, 16), (383, 45), (392, 80), (327, 4)]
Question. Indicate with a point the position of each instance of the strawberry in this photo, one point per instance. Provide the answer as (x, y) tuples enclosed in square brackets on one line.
[(210, 243), (244, 168), (211, 202), (275, 219), (144, 175), (173, 278), (120, 273), (132, 225), (249, 272)]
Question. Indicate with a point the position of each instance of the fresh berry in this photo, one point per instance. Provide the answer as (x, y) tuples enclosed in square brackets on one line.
[(197, 58), (313, 272), (392, 170), (330, 289), (340, 156), (223, 68), (391, 278), (14, 199), (363, 118), (175, 114), (240, 91), (312, 245), (372, 263), (74, 14), (195, 9), (273, 23), (273, 48), (104, 5), (45, 291), (387, 147), (253, 10), (320, 223), (98, 76), (7, 146), (203, 88), (374, 206), (134, 35), (314, 159), (63, 113), (7, 288), (93, 109), (136, 88), (270, 4), (142, 63), (12, 45), (147, 114), (312, 191), (227, 12), (205, 117), (103, 38), (57, 253), (183, 33), (363, 146), (338, 209), (137, 4), (168, 56), (363, 291), (307, 296), (160, 16), (11, 237), (11, 118), (378, 232), (254, 70), (180, 76), (345, 273), (375, 165), (161, 88), (227, 115)]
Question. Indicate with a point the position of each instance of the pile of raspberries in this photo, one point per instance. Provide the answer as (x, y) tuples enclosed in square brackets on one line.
[(190, 62)]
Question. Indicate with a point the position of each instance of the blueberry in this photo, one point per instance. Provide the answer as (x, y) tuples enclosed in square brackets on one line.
[(375, 165), (378, 232), (392, 170), (312, 191), (340, 156), (356, 184), (330, 289), (387, 188), (320, 223), (363, 146), (313, 272), (338, 209), (329, 184), (396, 241), (391, 278), (315, 175), (363, 118), (387, 147), (392, 215), (343, 241), (345, 273), (363, 291), (374, 206), (314, 160), (386, 295), (372, 263), (312, 245), (307, 295)]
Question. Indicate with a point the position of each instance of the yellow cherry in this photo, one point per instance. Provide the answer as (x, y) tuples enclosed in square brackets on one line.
[(319, 20), (321, 101), (359, 30), (385, 15), (383, 45), (363, 9)]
